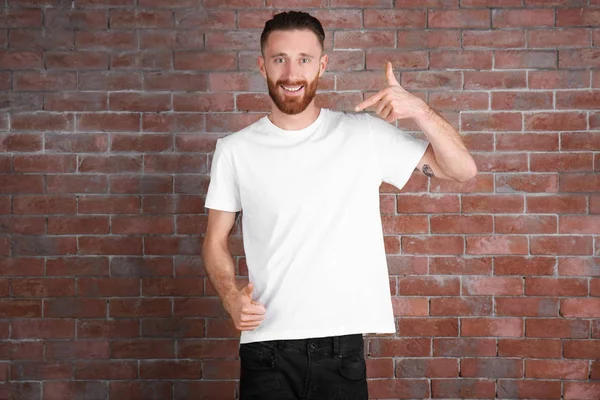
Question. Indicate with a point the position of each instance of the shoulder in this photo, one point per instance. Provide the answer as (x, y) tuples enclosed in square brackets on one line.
[(342, 117), (233, 139)]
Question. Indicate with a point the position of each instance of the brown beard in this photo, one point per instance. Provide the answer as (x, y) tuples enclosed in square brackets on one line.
[(292, 105)]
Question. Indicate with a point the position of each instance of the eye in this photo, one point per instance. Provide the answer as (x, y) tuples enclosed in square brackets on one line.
[(304, 60), (279, 60)]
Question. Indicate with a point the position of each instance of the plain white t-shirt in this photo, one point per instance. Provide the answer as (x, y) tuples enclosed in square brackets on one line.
[(311, 222)]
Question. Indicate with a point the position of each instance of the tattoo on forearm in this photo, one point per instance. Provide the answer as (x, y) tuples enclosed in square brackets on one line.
[(428, 171)]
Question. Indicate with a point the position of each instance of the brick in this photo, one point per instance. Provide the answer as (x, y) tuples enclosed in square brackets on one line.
[(584, 16), (556, 328), (140, 307), (221, 328), (105, 40), (410, 307), (578, 141), (481, 183), (110, 245), (559, 38), (169, 122), (461, 306), (522, 100), (499, 203), (82, 60), (458, 101), (110, 164), (529, 348), (428, 39), (429, 286), (81, 266), (580, 308), (142, 349), (140, 19), (140, 102), (111, 204), (430, 80), (75, 308), (108, 329), (185, 163), (353, 60), (529, 389), (561, 162), (490, 162), (464, 347), (177, 328), (555, 286), (464, 59), (459, 19), (580, 183), (559, 79), (430, 368), (526, 265), (475, 80), (42, 329), (41, 370), (552, 3), (192, 39), (461, 224), (233, 40), (491, 3), (105, 370), (76, 142), (20, 18), (76, 101), (16, 60), (556, 369), (401, 347), (148, 184), (43, 287), (491, 286), (76, 19), (578, 266), (496, 245), (228, 369), (427, 203), (173, 204), (493, 39), (76, 184), (207, 348), (22, 142), (42, 122), (526, 224), (463, 388), (141, 143), (579, 224), (142, 60), (432, 245), (203, 102), (491, 368), (186, 390), (28, 350), (110, 80), (195, 307), (55, 39), (538, 183), (501, 121), (563, 245), (460, 265), (510, 59), (208, 19), (75, 389), (43, 246), (21, 390), (108, 122), (524, 307), (139, 390), (522, 18), (230, 122), (142, 225), (175, 81), (407, 265), (108, 287), (562, 203), (21, 225), (400, 19), (581, 390), (578, 58), (238, 81), (364, 39), (581, 348), (578, 100)]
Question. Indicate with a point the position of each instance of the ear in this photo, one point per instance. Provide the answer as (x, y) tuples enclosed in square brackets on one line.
[(324, 60), (261, 66)]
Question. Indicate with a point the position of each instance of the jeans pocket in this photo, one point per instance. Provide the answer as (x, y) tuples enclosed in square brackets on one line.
[(261, 390), (352, 366), (257, 356)]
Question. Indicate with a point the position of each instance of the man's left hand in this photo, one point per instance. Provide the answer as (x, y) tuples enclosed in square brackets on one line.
[(394, 102)]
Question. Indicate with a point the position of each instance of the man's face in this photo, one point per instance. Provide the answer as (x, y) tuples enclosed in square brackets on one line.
[(292, 64)]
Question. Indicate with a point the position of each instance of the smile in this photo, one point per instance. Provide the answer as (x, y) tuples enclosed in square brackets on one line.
[(292, 88)]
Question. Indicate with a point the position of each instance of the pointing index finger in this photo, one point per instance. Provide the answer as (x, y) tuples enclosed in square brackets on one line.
[(369, 102)]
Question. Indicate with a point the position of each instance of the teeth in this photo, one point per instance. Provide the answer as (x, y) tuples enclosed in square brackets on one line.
[(292, 88)]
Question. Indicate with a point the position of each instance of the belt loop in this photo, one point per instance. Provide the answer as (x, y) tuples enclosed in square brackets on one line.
[(336, 346)]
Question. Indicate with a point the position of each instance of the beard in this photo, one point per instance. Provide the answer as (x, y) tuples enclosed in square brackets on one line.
[(292, 105)]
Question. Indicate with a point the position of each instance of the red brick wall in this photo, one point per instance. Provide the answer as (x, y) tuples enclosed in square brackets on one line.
[(108, 115)]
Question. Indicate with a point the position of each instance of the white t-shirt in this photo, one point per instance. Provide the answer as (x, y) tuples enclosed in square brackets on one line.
[(311, 221)]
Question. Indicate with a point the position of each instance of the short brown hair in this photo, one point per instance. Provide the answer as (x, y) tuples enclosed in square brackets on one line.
[(291, 20)]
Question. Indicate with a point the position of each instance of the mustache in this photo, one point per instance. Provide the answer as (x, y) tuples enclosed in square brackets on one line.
[(283, 82)]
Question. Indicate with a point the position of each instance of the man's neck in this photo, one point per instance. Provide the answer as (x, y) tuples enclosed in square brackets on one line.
[(294, 122)]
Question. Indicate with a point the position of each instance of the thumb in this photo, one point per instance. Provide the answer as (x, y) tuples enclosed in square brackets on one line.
[(247, 291), (389, 72)]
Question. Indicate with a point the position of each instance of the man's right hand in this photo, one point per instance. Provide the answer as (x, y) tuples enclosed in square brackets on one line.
[(247, 315)]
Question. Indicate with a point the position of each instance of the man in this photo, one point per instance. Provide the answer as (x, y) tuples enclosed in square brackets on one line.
[(306, 180)]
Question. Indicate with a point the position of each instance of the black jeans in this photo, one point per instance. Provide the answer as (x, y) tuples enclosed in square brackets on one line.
[(306, 369)]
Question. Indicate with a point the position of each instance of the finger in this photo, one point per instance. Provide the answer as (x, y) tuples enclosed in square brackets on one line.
[(247, 291), (382, 104), (389, 72), (370, 101), (250, 318), (257, 309), (385, 113)]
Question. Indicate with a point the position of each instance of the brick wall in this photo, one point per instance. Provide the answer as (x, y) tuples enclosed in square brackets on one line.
[(109, 111)]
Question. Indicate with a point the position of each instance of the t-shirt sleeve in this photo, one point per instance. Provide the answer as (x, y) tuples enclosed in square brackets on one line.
[(396, 151), (223, 190)]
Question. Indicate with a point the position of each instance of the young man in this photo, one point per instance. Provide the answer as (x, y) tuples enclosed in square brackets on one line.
[(307, 181)]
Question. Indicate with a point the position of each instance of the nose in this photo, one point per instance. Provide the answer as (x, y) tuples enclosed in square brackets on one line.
[(292, 72)]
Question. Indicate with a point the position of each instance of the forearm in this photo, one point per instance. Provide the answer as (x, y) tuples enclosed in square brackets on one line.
[(450, 152), (220, 268)]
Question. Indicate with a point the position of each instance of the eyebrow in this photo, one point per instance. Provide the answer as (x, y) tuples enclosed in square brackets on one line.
[(285, 55)]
